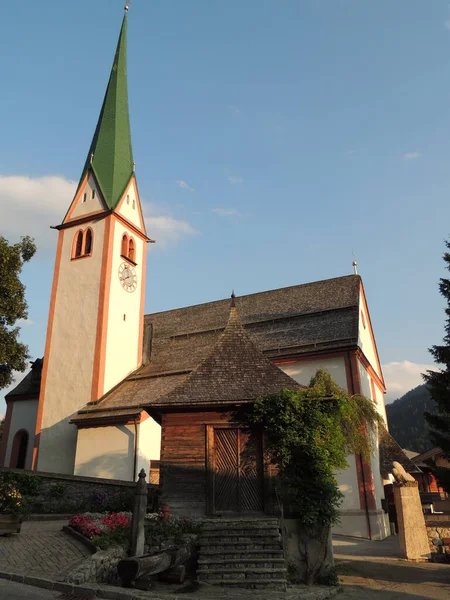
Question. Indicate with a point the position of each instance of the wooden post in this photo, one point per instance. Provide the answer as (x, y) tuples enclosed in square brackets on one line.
[(138, 518)]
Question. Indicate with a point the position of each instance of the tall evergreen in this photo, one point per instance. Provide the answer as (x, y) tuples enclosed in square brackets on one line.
[(439, 385)]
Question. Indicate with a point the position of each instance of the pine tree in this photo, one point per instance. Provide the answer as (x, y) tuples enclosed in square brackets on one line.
[(439, 385)]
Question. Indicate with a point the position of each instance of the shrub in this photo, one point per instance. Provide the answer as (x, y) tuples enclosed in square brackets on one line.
[(158, 530)]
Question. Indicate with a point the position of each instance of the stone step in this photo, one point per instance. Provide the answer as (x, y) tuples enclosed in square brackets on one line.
[(246, 563), (251, 584), (235, 534), (230, 553), (240, 574), (242, 546), (223, 524)]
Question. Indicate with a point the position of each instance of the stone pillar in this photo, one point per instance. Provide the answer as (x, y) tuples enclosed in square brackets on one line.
[(138, 518), (412, 532)]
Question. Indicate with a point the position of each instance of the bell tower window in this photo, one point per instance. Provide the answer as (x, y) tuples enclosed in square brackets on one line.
[(88, 241), (78, 244), (124, 249), (82, 243), (131, 250), (128, 248)]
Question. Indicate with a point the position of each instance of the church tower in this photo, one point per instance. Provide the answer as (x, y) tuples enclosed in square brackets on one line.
[(95, 326)]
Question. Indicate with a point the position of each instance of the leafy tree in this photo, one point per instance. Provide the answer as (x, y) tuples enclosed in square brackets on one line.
[(307, 436), (13, 306), (439, 385)]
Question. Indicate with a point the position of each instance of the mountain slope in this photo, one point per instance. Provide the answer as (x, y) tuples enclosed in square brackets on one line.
[(406, 420)]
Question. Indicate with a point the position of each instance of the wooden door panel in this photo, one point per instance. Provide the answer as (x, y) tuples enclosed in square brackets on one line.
[(226, 470), (238, 472), (250, 474)]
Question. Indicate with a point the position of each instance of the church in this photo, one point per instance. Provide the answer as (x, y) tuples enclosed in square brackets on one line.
[(119, 390)]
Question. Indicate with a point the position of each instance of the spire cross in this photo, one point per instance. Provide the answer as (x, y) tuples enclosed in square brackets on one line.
[(127, 6)]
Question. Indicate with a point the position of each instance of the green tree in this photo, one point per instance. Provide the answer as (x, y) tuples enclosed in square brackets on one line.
[(13, 306), (307, 436), (439, 385)]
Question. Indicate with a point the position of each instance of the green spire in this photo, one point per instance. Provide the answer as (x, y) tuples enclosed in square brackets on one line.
[(110, 155)]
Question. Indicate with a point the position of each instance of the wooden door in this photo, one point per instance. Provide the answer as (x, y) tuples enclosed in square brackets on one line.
[(238, 472)]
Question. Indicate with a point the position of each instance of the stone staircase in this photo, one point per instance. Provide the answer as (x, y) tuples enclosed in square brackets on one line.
[(242, 553)]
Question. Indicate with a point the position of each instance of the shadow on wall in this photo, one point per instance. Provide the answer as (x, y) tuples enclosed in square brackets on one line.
[(57, 447), (114, 463), (106, 452)]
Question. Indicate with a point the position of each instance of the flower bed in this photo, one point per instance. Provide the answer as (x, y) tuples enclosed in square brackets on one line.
[(104, 529)]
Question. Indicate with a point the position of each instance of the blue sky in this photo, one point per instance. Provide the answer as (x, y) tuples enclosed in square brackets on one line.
[(273, 139)]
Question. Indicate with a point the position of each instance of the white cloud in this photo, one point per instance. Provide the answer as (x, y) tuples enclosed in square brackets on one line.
[(164, 229), (411, 155), (233, 179), (29, 205), (400, 377), (183, 185), (226, 212)]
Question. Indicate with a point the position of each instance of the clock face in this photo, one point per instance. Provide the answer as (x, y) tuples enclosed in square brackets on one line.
[(127, 277)]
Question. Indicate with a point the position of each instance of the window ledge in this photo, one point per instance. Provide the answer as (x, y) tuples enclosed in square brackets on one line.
[(128, 260), (81, 256)]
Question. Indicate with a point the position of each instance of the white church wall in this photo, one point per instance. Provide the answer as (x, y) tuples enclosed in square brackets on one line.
[(130, 200), (123, 335), (365, 340), (106, 452), (23, 417), (90, 204), (71, 356), (149, 444), (302, 372)]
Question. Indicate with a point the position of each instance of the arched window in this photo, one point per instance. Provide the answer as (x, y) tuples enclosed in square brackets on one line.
[(78, 244), (124, 249), (88, 241), (131, 250), (128, 198), (19, 450), (134, 203), (83, 243)]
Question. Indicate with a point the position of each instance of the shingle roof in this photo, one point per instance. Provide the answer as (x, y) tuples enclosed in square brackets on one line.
[(235, 370), (390, 450), (31, 384)]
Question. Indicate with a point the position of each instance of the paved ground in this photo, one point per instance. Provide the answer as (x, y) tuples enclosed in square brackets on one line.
[(17, 591), (374, 571), (41, 548)]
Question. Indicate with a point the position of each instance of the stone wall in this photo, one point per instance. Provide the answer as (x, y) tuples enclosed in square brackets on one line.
[(101, 567), (69, 494), (437, 530)]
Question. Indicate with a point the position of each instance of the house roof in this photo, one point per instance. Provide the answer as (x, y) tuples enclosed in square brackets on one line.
[(391, 451), (312, 317), (30, 385), (110, 156), (235, 370), (421, 459)]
